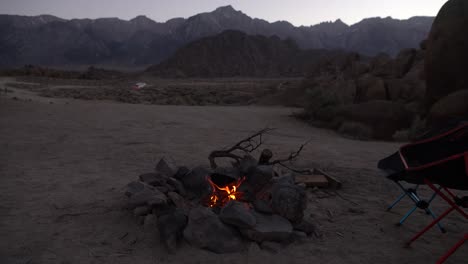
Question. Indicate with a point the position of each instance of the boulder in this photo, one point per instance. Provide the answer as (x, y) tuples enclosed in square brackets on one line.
[(289, 201), (195, 182), (270, 246), (171, 228), (154, 179), (305, 226), (383, 66), (451, 107), (177, 200), (150, 222), (447, 53), (143, 194), (166, 168), (259, 176), (205, 230), (404, 61), (269, 228), (406, 90), (178, 186), (237, 214), (384, 117), (134, 187), (141, 210)]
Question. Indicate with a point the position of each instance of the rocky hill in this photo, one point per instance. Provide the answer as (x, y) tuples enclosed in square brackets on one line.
[(234, 53), (398, 97), (48, 40)]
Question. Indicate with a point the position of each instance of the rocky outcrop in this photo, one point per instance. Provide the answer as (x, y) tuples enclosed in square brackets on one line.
[(447, 51), (367, 97), (453, 106)]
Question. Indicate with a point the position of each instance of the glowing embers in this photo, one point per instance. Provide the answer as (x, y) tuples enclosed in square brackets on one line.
[(221, 195)]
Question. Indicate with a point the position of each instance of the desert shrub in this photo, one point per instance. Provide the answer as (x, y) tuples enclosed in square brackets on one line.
[(356, 130)]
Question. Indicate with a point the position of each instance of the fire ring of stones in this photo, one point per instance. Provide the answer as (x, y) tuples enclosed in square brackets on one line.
[(221, 208)]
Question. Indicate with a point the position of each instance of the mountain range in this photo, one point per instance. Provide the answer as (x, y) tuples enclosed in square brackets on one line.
[(52, 41)]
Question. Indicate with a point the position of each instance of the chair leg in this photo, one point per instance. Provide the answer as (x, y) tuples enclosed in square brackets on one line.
[(420, 233), (396, 201), (452, 250), (429, 211), (402, 220)]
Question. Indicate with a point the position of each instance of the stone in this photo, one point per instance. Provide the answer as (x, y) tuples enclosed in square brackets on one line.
[(181, 172), (305, 226), (247, 164), (404, 61), (205, 230), (163, 189), (286, 179), (156, 199), (289, 201), (141, 210), (153, 179), (263, 206), (237, 214), (447, 53), (259, 176), (382, 65), (253, 248), (178, 186), (134, 187), (196, 182), (147, 196), (269, 228), (270, 246), (177, 200), (299, 236), (150, 222), (166, 168), (162, 209), (171, 227)]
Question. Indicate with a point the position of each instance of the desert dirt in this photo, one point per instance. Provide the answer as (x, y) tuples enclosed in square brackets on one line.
[(64, 164)]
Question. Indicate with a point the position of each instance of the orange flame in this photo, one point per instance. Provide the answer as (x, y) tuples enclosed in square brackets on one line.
[(221, 195)]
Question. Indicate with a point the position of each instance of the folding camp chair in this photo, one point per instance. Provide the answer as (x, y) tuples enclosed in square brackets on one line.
[(449, 173), (441, 160), (394, 165)]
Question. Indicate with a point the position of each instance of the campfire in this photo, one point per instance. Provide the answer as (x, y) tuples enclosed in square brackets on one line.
[(219, 208), (220, 196)]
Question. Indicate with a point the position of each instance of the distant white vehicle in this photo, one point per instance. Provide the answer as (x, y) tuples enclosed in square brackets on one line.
[(138, 86)]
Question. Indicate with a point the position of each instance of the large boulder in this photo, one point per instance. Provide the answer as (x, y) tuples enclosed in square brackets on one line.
[(447, 51), (404, 61), (451, 107), (384, 117), (205, 230), (383, 66)]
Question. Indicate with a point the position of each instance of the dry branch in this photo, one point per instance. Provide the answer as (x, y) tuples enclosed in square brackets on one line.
[(246, 145)]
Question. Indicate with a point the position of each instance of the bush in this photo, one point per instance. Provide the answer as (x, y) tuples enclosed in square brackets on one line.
[(356, 130)]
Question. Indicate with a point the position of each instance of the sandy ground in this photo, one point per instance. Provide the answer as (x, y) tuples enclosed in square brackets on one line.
[(64, 165)]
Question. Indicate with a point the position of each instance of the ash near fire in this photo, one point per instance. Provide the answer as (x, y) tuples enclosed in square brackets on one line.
[(223, 208)]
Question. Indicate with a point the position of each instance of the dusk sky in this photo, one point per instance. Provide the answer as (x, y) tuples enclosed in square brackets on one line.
[(298, 12)]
